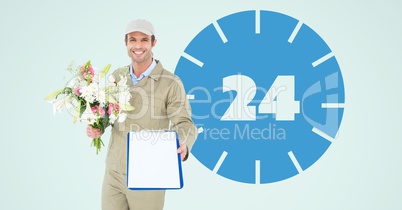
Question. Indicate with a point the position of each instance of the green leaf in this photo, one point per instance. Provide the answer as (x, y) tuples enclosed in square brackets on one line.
[(110, 99), (126, 107), (102, 128), (67, 90), (54, 94), (106, 119), (83, 106), (88, 79), (105, 71), (77, 112), (88, 64)]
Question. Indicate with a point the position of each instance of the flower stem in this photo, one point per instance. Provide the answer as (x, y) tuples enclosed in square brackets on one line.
[(97, 143)]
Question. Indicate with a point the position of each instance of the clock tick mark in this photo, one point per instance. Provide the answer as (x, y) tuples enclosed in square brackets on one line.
[(257, 172), (295, 31), (324, 135), (193, 60), (295, 162), (322, 59), (220, 32), (220, 161)]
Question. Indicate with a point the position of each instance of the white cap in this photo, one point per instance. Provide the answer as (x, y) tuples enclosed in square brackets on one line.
[(141, 26)]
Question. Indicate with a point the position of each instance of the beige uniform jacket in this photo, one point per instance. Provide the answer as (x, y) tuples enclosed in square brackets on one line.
[(157, 99)]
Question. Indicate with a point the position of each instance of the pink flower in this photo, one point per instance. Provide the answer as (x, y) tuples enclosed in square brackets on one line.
[(101, 111), (110, 109), (87, 73), (94, 109), (98, 111), (78, 91), (91, 71), (113, 108), (117, 108)]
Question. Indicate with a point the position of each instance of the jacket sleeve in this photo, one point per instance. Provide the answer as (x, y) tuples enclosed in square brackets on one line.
[(179, 113)]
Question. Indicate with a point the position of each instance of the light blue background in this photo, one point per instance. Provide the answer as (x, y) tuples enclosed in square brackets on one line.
[(46, 161)]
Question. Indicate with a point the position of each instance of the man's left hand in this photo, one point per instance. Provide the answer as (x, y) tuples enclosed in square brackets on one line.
[(183, 151)]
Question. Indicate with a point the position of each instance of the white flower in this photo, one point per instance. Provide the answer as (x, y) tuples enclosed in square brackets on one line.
[(123, 81), (95, 79), (86, 93), (122, 117), (58, 104), (111, 79), (102, 98), (111, 89), (71, 105), (110, 99), (124, 97), (111, 85), (93, 87), (91, 99), (88, 114), (90, 92), (112, 118), (82, 83)]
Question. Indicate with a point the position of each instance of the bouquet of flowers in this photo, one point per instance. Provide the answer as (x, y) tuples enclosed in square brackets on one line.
[(88, 100)]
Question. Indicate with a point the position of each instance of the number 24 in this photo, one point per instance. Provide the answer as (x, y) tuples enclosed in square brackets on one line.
[(284, 108)]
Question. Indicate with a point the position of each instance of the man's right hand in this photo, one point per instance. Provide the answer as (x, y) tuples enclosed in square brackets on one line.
[(93, 132)]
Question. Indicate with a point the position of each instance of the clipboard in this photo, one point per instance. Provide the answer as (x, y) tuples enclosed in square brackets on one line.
[(152, 160)]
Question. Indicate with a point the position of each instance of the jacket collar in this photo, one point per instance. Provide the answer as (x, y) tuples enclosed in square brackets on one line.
[(155, 75), (157, 72)]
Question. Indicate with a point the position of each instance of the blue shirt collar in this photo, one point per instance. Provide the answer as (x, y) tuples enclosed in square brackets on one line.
[(147, 72)]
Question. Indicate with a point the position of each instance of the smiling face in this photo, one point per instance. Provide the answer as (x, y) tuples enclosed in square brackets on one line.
[(139, 47)]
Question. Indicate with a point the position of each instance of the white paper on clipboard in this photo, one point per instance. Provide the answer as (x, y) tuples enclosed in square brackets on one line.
[(153, 161)]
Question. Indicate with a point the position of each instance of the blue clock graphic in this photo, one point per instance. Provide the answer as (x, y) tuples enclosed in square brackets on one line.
[(267, 96)]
